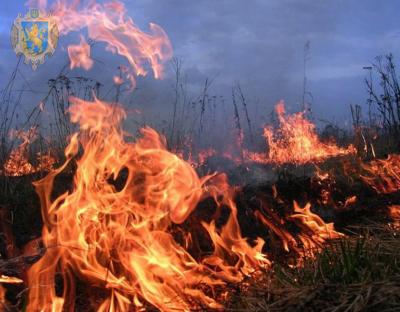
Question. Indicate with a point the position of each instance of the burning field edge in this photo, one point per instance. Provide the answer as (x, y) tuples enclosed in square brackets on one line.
[(306, 264), (94, 218)]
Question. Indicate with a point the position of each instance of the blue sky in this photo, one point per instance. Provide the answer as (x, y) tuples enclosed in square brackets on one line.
[(258, 43)]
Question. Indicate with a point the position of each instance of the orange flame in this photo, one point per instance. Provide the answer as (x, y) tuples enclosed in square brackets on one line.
[(10, 280), (394, 213), (112, 230), (314, 231), (297, 141), (79, 55), (118, 238), (108, 22), (18, 164), (3, 302), (6, 280), (383, 175)]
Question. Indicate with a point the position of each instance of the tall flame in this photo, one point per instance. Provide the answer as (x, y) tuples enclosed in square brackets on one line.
[(118, 237), (114, 228), (297, 141)]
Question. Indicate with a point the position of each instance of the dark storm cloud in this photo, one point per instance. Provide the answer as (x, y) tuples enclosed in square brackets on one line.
[(258, 43)]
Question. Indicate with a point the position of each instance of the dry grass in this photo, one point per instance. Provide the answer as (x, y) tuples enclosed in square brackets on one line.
[(358, 273)]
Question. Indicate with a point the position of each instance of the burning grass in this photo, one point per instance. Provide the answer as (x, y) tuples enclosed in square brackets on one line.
[(296, 141), (131, 225), (18, 163), (144, 199)]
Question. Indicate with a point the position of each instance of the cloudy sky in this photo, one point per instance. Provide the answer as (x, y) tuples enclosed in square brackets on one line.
[(258, 43)]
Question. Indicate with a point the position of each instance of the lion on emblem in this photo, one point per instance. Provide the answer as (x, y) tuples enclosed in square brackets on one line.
[(36, 36)]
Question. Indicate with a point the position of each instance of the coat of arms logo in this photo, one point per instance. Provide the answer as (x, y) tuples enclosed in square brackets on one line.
[(35, 35)]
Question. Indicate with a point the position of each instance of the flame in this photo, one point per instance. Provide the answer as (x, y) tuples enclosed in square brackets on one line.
[(314, 231), (118, 80), (351, 200), (10, 280), (18, 164), (6, 280), (296, 141), (114, 228), (79, 55), (3, 302), (118, 238), (108, 22), (394, 213), (383, 175), (201, 158), (324, 183)]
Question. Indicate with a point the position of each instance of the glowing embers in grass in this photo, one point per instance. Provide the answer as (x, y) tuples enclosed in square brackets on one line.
[(324, 183), (383, 175), (17, 163), (118, 238), (328, 194), (296, 140), (394, 213)]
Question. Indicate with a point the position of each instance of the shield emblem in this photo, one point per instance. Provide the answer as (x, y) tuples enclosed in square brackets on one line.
[(34, 36)]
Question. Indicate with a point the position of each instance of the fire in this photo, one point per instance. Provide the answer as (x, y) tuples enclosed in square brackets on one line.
[(6, 280), (201, 158), (79, 55), (108, 23), (117, 235), (118, 238), (18, 164), (296, 141), (314, 231), (2, 298), (318, 231), (394, 213), (10, 280), (113, 230), (383, 175)]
